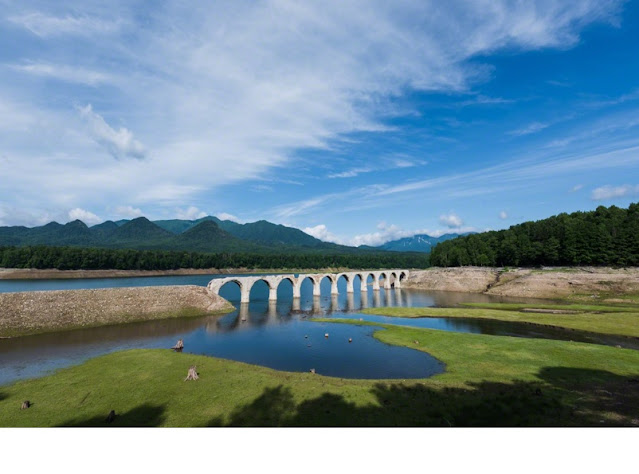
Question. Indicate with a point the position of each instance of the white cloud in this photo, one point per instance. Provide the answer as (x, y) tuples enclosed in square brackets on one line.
[(350, 173), (614, 192), (321, 232), (119, 143), (191, 213), (576, 188), (87, 217), (223, 95), (528, 129), (128, 211), (503, 215), (451, 220), (225, 216)]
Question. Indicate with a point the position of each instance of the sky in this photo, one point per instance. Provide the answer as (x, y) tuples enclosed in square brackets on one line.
[(358, 122)]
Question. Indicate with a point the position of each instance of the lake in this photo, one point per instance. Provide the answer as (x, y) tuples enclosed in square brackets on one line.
[(279, 335)]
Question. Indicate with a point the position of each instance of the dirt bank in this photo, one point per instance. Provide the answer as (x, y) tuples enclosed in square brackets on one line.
[(46, 311), (53, 274), (579, 283)]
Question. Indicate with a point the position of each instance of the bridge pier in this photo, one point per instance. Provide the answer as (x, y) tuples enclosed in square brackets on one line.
[(272, 294), (364, 286), (334, 287), (245, 292), (349, 285)]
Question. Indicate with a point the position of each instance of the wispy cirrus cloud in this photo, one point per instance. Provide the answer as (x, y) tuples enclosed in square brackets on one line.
[(45, 25), (221, 94), (533, 127), (63, 72)]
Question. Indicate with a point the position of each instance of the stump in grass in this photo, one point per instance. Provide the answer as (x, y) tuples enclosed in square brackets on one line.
[(192, 375), (178, 346), (111, 416), (26, 404)]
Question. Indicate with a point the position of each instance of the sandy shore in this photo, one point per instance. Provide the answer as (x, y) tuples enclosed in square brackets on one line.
[(580, 283), (46, 311)]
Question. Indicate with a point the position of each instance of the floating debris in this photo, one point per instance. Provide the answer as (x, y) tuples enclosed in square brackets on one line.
[(306, 337), (326, 335), (350, 339)]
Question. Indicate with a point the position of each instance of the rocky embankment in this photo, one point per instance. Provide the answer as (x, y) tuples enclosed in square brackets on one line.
[(581, 283), (46, 311)]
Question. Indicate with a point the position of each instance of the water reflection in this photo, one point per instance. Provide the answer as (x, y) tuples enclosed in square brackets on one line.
[(269, 333)]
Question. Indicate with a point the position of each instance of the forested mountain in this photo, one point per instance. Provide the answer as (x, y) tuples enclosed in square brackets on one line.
[(606, 236), (417, 243), (208, 234)]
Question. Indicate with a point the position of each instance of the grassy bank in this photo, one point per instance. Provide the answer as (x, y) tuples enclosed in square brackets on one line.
[(490, 381), (615, 322)]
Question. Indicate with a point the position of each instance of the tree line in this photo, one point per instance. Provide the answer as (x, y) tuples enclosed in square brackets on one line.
[(606, 236), (74, 258)]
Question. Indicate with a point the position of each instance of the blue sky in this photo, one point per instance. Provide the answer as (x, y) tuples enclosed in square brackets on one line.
[(358, 122)]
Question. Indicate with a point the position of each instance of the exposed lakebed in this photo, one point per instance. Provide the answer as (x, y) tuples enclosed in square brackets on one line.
[(276, 335)]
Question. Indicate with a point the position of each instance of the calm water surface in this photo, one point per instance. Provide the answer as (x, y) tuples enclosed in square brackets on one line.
[(277, 335)]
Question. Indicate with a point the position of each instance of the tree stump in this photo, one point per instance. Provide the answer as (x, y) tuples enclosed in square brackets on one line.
[(26, 404), (178, 346), (192, 375), (111, 416)]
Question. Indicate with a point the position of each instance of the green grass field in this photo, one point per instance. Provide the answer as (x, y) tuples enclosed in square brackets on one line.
[(489, 381), (614, 320)]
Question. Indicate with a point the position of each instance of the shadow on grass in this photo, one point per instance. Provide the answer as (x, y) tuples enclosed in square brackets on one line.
[(2, 396), (142, 415), (564, 397)]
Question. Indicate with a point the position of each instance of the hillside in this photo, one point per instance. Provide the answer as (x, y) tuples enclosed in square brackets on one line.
[(417, 243), (208, 234), (606, 236)]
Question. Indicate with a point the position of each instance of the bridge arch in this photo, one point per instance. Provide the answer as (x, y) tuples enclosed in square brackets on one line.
[(392, 278)]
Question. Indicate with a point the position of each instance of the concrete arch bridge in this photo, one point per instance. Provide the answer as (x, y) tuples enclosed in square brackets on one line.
[(391, 279)]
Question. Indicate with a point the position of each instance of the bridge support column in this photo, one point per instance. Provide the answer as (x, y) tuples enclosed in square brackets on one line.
[(398, 284), (316, 288), (375, 282), (364, 286), (272, 294), (349, 285), (245, 291), (387, 283), (297, 290), (334, 290)]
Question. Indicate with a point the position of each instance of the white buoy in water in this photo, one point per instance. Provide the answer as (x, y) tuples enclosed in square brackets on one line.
[(326, 335)]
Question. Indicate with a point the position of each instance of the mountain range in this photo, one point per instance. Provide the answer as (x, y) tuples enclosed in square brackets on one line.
[(208, 234), (417, 243)]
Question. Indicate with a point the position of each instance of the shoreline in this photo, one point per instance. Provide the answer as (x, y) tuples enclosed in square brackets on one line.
[(36, 312), (54, 274)]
